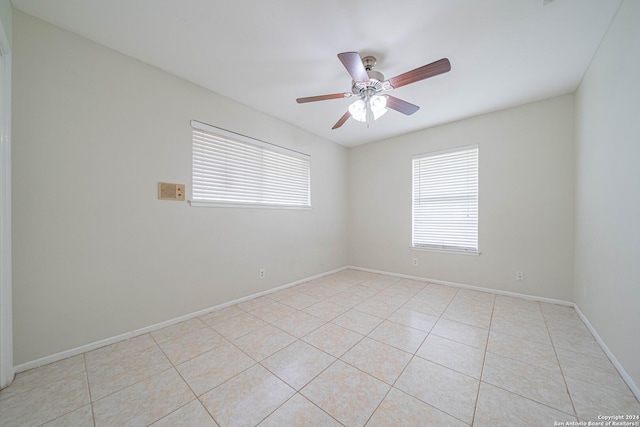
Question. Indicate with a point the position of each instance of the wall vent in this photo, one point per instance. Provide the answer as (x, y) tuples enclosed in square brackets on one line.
[(167, 191)]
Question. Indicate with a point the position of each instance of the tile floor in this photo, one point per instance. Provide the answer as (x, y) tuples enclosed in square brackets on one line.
[(352, 348)]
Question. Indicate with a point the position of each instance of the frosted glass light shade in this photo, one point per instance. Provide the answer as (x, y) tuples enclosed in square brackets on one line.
[(358, 110), (377, 104)]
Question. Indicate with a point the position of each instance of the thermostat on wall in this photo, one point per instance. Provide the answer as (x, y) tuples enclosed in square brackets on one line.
[(167, 191)]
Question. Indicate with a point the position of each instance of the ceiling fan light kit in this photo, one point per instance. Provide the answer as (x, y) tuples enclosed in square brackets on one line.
[(367, 85)]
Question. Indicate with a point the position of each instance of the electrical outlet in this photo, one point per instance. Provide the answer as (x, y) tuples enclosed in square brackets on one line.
[(519, 276), (262, 273), (415, 261)]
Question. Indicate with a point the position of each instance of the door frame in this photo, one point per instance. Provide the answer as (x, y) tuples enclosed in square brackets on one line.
[(7, 370)]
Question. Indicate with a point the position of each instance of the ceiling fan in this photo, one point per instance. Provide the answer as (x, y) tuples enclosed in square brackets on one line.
[(367, 86)]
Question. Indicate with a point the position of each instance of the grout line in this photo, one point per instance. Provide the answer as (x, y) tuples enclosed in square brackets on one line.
[(484, 358), (86, 372), (564, 380)]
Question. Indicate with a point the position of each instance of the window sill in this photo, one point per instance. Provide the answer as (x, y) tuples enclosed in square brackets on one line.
[(246, 205), (447, 251)]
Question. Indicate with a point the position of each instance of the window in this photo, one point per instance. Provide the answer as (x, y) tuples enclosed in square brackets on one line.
[(233, 169), (445, 200)]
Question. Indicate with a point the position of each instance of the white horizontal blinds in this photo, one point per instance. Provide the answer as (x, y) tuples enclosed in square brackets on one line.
[(231, 168), (445, 200)]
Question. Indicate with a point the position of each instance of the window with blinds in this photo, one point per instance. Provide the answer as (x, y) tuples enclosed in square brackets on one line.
[(445, 200), (233, 169)]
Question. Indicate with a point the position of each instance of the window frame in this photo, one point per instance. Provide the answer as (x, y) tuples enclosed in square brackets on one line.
[(243, 139), (446, 248)]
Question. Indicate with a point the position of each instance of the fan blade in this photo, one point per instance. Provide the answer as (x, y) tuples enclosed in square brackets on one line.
[(323, 97), (421, 73), (343, 119), (402, 106), (353, 63)]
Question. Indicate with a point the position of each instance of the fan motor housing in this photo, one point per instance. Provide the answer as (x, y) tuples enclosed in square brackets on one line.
[(374, 84)]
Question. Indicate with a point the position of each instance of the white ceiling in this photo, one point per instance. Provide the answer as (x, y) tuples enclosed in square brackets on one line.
[(267, 53)]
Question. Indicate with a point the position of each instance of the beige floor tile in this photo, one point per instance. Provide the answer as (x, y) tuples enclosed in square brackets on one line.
[(190, 345), (542, 385), (299, 324), (511, 308), (414, 319), (299, 301), (237, 326), (591, 401), (378, 359), (45, 403), (254, 303), (192, 414), (457, 356), (580, 343), (379, 282), (414, 286), (212, 368), (298, 363), (38, 377), (521, 304), (333, 339), (433, 289), (284, 293), (531, 352), (273, 312), (220, 315), (264, 342), (113, 376), (443, 388), (144, 402), (399, 336), (467, 313), (570, 325), (346, 299), (558, 312), (246, 399), (321, 292), (460, 332), (427, 304), (326, 310), (477, 297), (521, 329), (392, 297), (299, 412), (178, 330), (82, 417), (514, 315), (401, 409), (120, 349), (376, 308), (347, 394), (362, 291), (594, 370), (357, 321), (497, 406)]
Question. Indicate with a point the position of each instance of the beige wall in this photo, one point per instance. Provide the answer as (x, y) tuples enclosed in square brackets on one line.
[(95, 253), (526, 201), (607, 236)]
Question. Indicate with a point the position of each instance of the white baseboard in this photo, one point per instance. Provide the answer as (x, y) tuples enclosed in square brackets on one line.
[(471, 287), (623, 373), (128, 335)]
